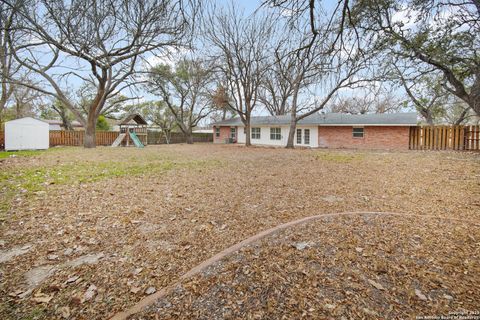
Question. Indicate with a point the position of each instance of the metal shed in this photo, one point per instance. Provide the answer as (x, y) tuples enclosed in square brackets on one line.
[(26, 134)]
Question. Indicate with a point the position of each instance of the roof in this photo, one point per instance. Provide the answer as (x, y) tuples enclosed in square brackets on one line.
[(26, 120), (135, 117), (74, 123), (333, 119), (202, 131)]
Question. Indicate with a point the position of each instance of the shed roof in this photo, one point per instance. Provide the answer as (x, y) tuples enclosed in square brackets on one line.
[(135, 117), (333, 119), (28, 120)]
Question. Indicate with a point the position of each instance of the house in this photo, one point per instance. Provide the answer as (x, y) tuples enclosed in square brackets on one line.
[(331, 130), (55, 125)]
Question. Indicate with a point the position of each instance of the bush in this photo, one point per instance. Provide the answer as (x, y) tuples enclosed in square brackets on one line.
[(102, 124)]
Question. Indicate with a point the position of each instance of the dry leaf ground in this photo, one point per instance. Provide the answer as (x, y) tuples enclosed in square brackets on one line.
[(102, 227)]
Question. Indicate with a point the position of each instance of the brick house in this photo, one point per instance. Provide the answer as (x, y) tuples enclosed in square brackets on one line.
[(331, 130)]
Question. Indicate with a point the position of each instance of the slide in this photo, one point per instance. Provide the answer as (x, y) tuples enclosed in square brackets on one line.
[(135, 140), (119, 140)]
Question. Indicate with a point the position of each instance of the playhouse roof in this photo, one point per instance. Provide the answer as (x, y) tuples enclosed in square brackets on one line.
[(135, 117)]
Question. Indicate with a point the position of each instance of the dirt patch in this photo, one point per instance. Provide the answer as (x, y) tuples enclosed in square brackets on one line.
[(183, 204), (7, 255)]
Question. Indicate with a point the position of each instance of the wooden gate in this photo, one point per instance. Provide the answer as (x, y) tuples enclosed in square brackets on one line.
[(445, 138)]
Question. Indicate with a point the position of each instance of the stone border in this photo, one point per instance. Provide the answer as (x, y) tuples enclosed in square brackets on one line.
[(147, 301)]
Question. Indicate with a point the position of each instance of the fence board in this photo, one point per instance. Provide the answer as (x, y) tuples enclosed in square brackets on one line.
[(445, 138)]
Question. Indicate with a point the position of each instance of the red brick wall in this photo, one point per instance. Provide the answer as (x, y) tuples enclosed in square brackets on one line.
[(224, 134), (380, 137)]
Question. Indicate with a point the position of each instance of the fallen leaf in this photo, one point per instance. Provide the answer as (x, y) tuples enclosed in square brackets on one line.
[(42, 298), (90, 293), (150, 290), (420, 295), (376, 284)]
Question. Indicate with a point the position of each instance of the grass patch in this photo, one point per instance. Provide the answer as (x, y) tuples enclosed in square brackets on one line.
[(31, 153), (30, 180), (24, 153), (339, 157)]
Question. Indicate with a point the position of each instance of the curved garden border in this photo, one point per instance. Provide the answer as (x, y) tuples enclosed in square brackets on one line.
[(147, 301)]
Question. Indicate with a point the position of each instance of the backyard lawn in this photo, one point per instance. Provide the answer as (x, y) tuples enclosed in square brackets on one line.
[(85, 234)]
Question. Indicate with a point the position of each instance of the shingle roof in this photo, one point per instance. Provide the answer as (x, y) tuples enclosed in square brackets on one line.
[(333, 119), (135, 117)]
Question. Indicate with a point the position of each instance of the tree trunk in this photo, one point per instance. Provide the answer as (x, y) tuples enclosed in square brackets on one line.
[(474, 102), (247, 133), (65, 121), (89, 141), (429, 118), (293, 120), (189, 137), (291, 133), (427, 115), (167, 136)]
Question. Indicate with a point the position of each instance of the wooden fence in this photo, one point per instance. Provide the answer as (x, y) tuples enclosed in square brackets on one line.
[(75, 138), (445, 138), (106, 138), (156, 137)]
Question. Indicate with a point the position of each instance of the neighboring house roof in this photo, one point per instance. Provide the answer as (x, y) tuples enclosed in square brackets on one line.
[(113, 122), (133, 117), (333, 119), (202, 131), (74, 123)]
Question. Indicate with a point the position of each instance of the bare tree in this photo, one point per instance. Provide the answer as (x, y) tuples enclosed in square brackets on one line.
[(457, 112), (63, 113), (98, 43), (8, 68), (439, 35), (292, 73), (329, 66), (185, 91), (426, 94), (338, 20), (163, 117), (240, 46), (373, 98), (24, 101)]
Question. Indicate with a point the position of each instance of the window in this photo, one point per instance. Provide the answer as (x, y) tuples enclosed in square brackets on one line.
[(306, 136), (275, 134), (233, 133), (299, 136), (217, 132), (255, 133), (357, 132)]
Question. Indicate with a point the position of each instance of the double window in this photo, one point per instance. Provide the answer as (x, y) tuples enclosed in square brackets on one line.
[(275, 134), (357, 132), (255, 133)]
